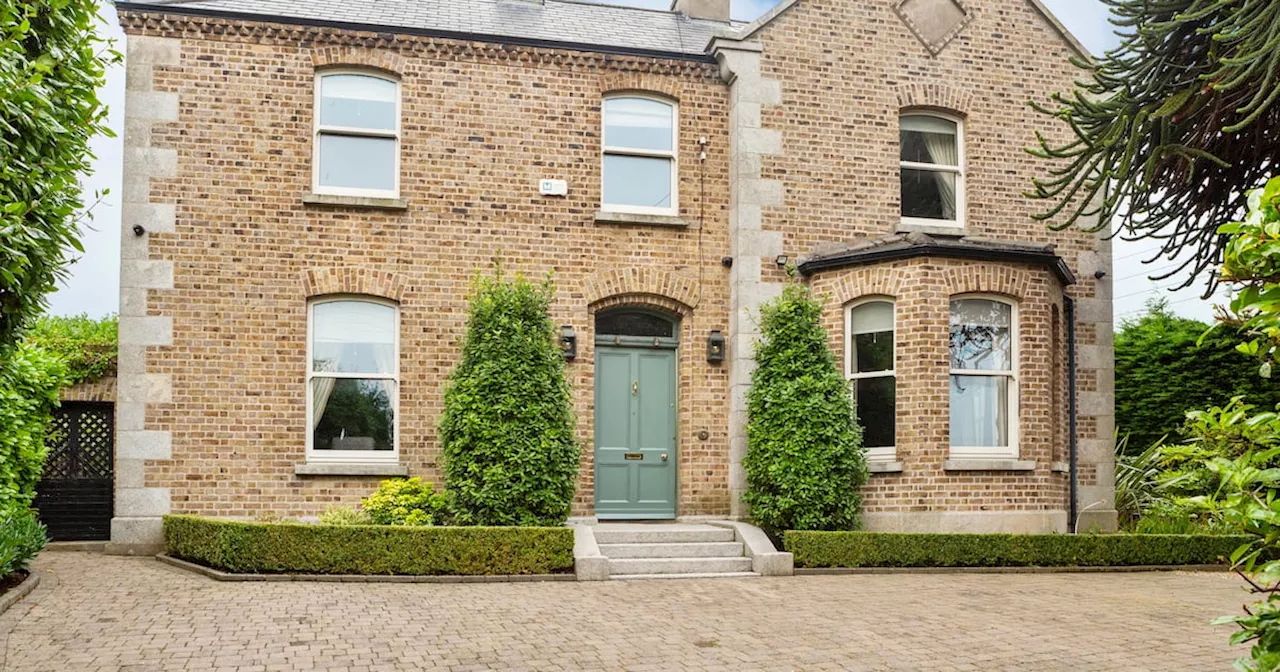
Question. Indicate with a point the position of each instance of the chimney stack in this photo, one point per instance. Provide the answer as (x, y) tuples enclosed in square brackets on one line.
[(716, 10)]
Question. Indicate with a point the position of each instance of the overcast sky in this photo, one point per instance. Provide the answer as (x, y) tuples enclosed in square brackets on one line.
[(93, 286)]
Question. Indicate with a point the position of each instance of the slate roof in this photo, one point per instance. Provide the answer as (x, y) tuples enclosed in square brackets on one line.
[(558, 21)]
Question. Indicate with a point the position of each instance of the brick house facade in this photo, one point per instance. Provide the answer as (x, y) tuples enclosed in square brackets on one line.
[(783, 141)]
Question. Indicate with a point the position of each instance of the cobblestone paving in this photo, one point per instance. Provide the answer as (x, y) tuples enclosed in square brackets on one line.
[(94, 613)]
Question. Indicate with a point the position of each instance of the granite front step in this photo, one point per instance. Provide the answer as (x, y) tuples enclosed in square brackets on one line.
[(713, 575), (661, 534), (715, 549), (627, 566)]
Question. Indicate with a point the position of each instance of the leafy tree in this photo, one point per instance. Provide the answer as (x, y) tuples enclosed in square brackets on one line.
[(510, 457), (51, 66), (1164, 369), (1172, 126), (805, 462), (29, 382)]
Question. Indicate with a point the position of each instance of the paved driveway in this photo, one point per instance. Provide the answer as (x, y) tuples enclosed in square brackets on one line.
[(107, 613)]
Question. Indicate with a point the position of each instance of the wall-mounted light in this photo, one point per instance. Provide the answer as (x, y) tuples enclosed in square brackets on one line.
[(715, 347), (138, 230), (568, 342), (782, 260)]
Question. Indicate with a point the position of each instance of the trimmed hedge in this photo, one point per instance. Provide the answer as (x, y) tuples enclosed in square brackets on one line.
[(368, 549), (884, 549)]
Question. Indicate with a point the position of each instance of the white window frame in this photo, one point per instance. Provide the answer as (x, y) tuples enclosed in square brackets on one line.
[(673, 155), (879, 453), (353, 456), (999, 452), (354, 132), (958, 170)]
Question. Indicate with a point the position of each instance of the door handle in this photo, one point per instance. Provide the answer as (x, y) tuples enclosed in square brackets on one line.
[(664, 457), (635, 388)]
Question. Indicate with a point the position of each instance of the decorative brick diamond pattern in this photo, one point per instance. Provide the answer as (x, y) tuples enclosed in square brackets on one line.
[(934, 22)]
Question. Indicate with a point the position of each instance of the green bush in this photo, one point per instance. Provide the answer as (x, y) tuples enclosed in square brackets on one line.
[(29, 382), (344, 515), (88, 346), (406, 501), (1164, 368), (805, 463), (21, 538), (510, 457), (883, 549), (378, 549)]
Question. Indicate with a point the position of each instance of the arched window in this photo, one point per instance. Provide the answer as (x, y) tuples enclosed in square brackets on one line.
[(932, 168), (357, 143), (984, 377), (353, 373), (638, 172), (870, 368)]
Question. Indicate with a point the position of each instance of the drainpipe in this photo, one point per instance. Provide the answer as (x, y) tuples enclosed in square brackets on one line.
[(1069, 305)]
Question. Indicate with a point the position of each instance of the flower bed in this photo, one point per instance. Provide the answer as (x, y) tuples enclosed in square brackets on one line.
[(236, 546), (884, 549)]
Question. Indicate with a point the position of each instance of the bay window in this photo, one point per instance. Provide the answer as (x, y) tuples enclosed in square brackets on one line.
[(869, 366), (984, 381)]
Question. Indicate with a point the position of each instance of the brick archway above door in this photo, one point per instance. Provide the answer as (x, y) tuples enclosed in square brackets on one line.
[(639, 281)]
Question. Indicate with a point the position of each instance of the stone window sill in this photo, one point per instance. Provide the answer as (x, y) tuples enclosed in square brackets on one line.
[(350, 469), (606, 217), (1060, 467), (356, 202), (932, 230), (884, 467), (989, 465)]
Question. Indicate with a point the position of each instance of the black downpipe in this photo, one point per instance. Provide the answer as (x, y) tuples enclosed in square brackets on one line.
[(1070, 311)]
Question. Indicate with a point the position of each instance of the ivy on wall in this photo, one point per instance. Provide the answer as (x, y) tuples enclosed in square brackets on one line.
[(87, 346)]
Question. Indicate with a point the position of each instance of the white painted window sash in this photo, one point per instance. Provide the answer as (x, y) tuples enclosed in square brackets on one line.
[(671, 155), (322, 130)]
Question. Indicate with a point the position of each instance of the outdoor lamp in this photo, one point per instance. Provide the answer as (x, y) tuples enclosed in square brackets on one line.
[(715, 347), (568, 342)]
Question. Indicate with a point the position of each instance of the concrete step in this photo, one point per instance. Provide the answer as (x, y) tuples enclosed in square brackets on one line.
[(711, 575), (715, 549), (625, 566), (661, 534)]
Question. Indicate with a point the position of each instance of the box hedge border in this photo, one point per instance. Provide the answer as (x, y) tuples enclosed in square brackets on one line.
[(889, 549), (245, 547)]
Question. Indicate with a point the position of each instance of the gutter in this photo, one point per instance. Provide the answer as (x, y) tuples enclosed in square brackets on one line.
[(896, 252), (179, 10), (1069, 310)]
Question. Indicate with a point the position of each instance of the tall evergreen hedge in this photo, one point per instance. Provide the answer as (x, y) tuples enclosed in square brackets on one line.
[(805, 462), (507, 432), (1164, 369)]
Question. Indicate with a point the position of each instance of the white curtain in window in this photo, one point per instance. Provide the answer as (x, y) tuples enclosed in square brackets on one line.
[(321, 388), (941, 140)]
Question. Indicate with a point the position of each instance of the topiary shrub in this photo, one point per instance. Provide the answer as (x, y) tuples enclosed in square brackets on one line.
[(805, 462), (237, 546), (404, 501), (30, 379), (510, 457), (21, 538)]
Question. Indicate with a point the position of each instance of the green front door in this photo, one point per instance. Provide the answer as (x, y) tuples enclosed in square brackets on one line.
[(635, 432)]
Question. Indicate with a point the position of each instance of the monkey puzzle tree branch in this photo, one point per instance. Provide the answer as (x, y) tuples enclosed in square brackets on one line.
[(1171, 128)]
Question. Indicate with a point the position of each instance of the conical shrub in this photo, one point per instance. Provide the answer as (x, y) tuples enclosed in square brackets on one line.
[(805, 462)]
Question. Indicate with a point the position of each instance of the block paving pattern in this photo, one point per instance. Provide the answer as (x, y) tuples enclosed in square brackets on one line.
[(93, 613)]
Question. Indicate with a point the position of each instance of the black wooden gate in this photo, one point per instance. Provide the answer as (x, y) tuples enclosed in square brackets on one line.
[(74, 497)]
